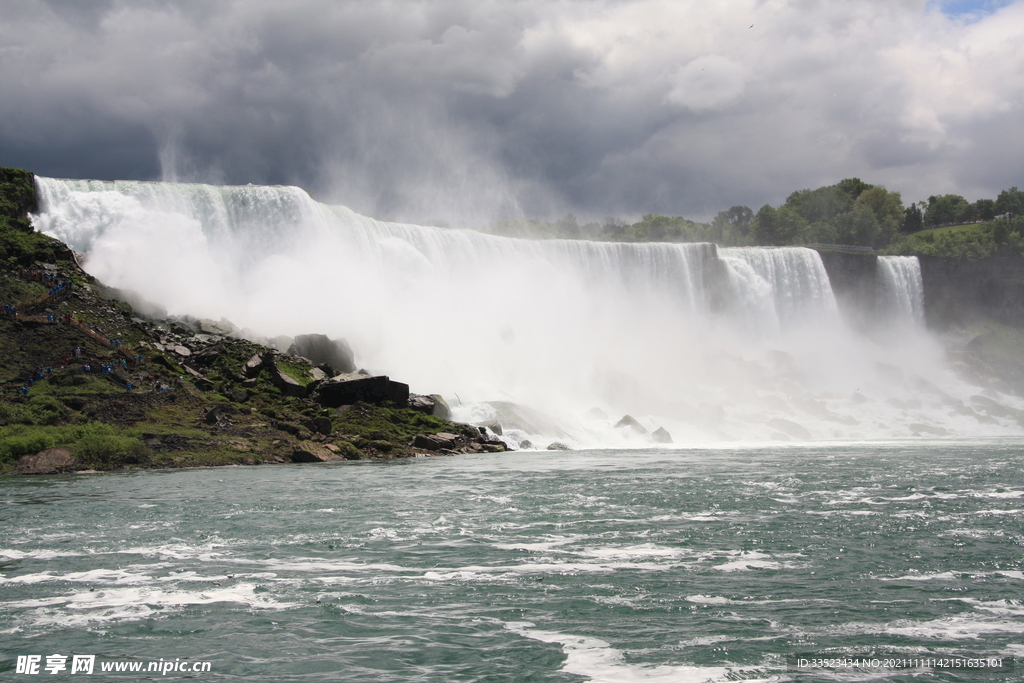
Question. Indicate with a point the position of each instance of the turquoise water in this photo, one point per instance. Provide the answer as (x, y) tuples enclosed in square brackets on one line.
[(667, 565)]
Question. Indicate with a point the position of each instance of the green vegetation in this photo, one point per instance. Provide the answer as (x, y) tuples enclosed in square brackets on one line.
[(20, 245), (972, 242), (851, 212), (389, 429)]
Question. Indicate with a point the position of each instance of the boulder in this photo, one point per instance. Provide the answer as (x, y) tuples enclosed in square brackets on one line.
[(421, 403), (558, 446), (347, 389), (431, 405), (319, 425), (629, 422), (50, 461), (321, 349), (253, 366), (287, 385), (214, 414), (307, 451), (441, 407), (661, 435), (222, 327), (437, 442)]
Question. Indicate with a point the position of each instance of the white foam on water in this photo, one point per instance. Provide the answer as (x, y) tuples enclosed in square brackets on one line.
[(599, 662), (644, 550), (709, 600), (554, 544), (1013, 608), (940, 576), (966, 626), (1000, 494), (11, 554), (720, 600), (746, 561), (111, 576), (126, 604)]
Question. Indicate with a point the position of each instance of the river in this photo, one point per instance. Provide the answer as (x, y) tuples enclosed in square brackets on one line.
[(607, 565)]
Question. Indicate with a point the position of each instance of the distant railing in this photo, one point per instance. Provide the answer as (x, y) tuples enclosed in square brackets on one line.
[(840, 247)]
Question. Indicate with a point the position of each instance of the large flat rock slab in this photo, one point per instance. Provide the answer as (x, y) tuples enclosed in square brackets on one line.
[(346, 389)]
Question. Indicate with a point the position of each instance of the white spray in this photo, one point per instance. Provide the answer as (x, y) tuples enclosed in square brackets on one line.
[(731, 344)]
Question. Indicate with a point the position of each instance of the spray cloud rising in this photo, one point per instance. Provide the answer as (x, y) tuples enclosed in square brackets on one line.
[(714, 344)]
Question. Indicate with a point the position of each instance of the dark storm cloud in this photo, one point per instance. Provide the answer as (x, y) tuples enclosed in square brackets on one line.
[(468, 110)]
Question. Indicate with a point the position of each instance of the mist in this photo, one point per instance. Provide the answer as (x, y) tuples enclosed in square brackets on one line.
[(715, 345)]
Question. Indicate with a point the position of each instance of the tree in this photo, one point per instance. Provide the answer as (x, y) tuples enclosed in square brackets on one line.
[(888, 210), (778, 227), (568, 227), (945, 209), (859, 226), (852, 187), (740, 217), (765, 225), (822, 204), (732, 226), (1010, 202), (985, 209), (913, 218)]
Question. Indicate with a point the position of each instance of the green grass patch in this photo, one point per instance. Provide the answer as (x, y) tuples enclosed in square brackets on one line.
[(395, 425), (94, 443), (299, 373), (952, 229)]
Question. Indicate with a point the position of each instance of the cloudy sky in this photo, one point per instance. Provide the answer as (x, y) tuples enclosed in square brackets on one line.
[(467, 110)]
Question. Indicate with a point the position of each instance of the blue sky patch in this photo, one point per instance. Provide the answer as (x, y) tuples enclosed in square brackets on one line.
[(959, 8)]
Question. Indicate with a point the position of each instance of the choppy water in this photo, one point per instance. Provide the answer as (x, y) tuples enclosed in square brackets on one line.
[(611, 566)]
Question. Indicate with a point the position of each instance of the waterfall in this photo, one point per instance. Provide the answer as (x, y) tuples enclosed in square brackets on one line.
[(900, 288), (738, 343)]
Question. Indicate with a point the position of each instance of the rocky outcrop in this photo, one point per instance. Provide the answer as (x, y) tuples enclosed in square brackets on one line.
[(661, 435), (854, 279), (958, 292), (50, 461), (321, 349), (629, 422), (309, 451), (287, 385), (345, 390), (220, 327), (431, 405), (438, 442)]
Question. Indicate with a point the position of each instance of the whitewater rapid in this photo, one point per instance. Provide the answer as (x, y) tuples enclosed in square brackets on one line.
[(716, 345)]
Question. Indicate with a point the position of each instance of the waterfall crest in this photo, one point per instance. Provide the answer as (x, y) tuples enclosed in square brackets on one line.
[(901, 289), (714, 344)]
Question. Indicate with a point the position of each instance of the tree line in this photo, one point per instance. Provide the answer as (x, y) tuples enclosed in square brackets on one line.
[(851, 212)]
